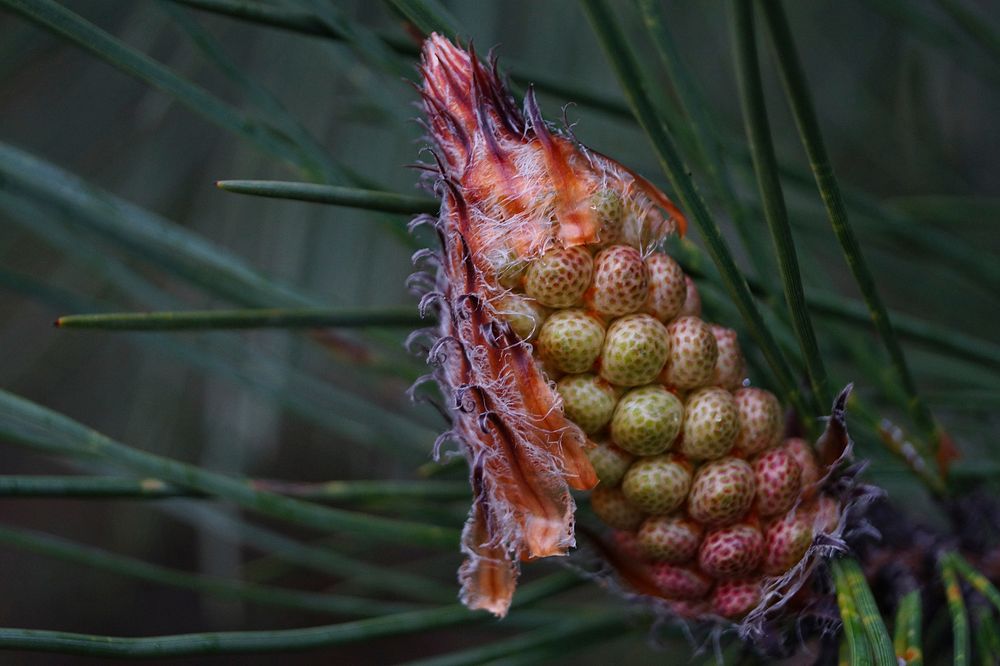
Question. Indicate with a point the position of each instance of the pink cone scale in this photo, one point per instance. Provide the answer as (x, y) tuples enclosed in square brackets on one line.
[(722, 492), (731, 552), (760, 420), (559, 278), (735, 598), (674, 539), (667, 288), (621, 282), (693, 353), (778, 480)]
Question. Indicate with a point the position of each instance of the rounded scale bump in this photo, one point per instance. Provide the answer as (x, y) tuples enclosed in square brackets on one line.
[(710, 424), (786, 540), (667, 288), (731, 552), (693, 353), (571, 341), (621, 281), (722, 492), (657, 484), (635, 350), (802, 452), (647, 420), (677, 581), (588, 401), (610, 462), (611, 506), (760, 418), (732, 599), (673, 539), (559, 278), (730, 366), (778, 479)]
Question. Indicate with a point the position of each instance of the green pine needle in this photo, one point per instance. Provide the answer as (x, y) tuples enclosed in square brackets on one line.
[(28, 423), (871, 620), (63, 549), (240, 319), (388, 202), (976, 580), (280, 640), (769, 185), (855, 639), (907, 641), (799, 98), (959, 614), (102, 487)]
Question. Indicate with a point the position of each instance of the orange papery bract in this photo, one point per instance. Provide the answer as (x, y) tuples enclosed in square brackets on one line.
[(512, 189)]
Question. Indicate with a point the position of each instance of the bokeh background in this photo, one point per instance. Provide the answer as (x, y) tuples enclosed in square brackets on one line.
[(908, 102)]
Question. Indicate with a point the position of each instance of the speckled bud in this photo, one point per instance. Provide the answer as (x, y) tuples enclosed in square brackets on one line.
[(611, 506), (735, 598), (647, 420), (610, 462), (635, 349), (722, 491), (621, 282), (525, 315), (588, 401), (778, 479), (710, 424), (731, 552), (693, 353), (571, 340), (559, 278), (658, 484), (667, 288), (730, 367), (673, 539), (761, 422), (692, 300)]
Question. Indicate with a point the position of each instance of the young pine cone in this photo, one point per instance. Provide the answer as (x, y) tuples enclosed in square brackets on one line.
[(573, 356)]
